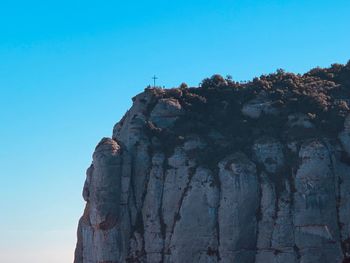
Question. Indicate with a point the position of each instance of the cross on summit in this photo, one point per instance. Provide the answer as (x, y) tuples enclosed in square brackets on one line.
[(154, 80)]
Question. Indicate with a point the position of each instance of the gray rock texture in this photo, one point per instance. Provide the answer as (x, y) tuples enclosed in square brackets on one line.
[(178, 183)]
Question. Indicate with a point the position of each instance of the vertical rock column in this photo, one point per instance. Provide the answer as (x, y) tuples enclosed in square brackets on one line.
[(194, 237), (343, 170), (239, 202), (101, 238), (275, 229), (315, 214)]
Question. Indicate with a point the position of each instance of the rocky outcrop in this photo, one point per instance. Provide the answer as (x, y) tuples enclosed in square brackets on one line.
[(233, 173)]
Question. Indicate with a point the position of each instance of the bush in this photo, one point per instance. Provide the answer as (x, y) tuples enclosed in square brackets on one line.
[(183, 85), (214, 82)]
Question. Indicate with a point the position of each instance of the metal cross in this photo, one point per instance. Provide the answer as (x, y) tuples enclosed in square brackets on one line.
[(154, 81)]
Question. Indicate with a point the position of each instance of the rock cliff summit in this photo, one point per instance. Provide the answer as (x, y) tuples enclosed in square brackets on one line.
[(253, 172)]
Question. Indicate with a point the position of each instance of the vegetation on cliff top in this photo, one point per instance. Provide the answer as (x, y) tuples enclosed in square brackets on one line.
[(214, 109)]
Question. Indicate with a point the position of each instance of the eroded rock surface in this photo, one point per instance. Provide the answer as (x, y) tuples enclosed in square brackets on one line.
[(253, 173)]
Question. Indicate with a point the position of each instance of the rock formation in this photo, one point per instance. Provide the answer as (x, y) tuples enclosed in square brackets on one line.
[(226, 172)]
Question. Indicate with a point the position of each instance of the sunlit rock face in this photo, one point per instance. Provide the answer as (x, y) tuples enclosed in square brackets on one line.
[(253, 173)]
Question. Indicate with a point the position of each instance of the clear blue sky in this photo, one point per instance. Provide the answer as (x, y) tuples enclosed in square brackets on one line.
[(69, 68)]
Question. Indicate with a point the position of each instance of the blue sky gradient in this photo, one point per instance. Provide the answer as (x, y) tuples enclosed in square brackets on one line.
[(68, 70)]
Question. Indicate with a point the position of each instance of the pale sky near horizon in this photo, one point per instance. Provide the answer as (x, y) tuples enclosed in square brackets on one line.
[(68, 70)]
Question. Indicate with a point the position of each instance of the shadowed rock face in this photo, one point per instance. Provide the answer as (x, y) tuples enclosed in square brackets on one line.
[(253, 173)]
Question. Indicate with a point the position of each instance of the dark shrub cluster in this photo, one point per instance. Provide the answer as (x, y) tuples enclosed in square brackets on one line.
[(214, 110)]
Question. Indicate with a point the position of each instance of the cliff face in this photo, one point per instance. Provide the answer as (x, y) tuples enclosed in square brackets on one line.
[(227, 172)]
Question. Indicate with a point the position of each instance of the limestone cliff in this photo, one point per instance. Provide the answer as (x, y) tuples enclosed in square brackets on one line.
[(226, 172)]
